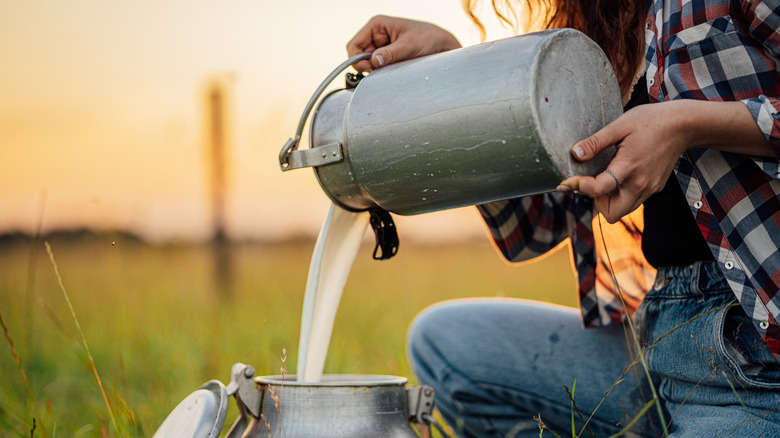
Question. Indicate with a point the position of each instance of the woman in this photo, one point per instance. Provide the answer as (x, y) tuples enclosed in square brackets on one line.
[(696, 171)]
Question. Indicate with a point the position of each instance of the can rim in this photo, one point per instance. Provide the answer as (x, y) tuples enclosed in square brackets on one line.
[(335, 380)]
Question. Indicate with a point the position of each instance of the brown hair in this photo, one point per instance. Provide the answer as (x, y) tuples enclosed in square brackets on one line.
[(615, 25)]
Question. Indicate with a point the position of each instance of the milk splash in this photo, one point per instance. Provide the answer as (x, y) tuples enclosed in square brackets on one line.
[(334, 253)]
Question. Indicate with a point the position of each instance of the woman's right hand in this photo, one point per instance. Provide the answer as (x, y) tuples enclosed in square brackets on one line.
[(394, 39)]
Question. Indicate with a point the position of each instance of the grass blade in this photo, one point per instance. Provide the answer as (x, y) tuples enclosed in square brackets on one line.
[(571, 396), (635, 419), (733, 389), (6, 424), (641, 356), (81, 332), (574, 408), (18, 359), (15, 354)]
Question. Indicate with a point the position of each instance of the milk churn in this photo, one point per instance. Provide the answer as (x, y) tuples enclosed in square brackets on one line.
[(343, 406), (483, 123)]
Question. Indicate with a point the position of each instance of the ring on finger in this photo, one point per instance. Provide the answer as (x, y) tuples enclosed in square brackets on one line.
[(612, 174)]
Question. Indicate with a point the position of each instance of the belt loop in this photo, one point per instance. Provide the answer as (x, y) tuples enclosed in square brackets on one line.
[(696, 275)]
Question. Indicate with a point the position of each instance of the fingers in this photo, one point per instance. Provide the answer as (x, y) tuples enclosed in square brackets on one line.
[(616, 205), (370, 37), (612, 134), (605, 188), (610, 198), (646, 155), (362, 66), (394, 39), (600, 185)]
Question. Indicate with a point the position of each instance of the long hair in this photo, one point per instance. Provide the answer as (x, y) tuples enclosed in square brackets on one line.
[(615, 25)]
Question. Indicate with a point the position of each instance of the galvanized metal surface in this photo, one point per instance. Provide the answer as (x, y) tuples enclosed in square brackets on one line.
[(200, 415), (341, 406), (338, 406), (483, 123)]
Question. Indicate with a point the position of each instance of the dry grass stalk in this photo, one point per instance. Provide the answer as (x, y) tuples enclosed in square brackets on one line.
[(543, 427), (267, 426), (636, 418), (21, 370), (640, 359), (277, 401), (16, 357), (83, 338), (640, 354), (734, 390), (574, 408)]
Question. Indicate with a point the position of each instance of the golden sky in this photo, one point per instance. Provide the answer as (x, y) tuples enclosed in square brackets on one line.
[(101, 110)]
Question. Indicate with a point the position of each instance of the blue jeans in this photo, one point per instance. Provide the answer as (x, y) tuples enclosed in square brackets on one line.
[(497, 364)]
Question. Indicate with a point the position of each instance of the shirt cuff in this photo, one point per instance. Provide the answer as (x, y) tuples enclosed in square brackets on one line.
[(766, 112)]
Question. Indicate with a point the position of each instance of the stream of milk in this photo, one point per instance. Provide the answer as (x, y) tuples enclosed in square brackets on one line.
[(334, 253)]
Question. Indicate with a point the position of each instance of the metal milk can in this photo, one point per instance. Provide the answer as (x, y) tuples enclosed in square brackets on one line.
[(464, 127), (343, 406)]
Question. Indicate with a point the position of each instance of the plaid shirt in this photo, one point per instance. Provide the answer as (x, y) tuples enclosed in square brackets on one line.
[(695, 49)]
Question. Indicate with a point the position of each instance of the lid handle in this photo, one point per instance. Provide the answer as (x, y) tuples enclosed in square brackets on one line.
[(292, 144)]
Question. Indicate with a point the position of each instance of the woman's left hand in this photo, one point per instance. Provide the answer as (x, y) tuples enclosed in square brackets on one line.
[(647, 149), (650, 139)]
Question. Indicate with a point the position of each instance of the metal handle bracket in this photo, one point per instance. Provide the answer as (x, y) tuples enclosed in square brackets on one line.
[(242, 386), (419, 400), (285, 155), (314, 157)]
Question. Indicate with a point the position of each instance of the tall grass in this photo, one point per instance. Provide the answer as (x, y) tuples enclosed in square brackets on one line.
[(158, 326), (83, 338)]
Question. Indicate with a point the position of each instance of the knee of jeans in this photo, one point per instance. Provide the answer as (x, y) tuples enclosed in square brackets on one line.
[(429, 331), (419, 334)]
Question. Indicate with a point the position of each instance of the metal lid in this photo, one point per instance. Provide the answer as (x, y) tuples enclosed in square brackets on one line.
[(201, 414)]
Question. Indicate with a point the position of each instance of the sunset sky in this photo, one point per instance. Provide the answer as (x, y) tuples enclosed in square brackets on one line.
[(101, 111)]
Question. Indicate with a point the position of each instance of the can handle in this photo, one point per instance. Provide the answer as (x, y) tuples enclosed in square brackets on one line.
[(292, 144)]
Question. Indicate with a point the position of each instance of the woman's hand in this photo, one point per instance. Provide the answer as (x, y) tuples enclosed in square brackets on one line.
[(394, 39), (650, 139)]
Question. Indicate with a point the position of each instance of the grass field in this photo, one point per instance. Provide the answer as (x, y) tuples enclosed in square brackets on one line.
[(158, 325)]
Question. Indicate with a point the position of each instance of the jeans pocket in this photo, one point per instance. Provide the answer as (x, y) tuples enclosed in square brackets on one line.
[(745, 352)]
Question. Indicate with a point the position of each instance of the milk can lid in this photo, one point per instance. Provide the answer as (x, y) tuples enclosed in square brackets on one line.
[(201, 414)]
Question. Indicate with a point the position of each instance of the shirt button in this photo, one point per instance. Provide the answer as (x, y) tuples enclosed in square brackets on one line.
[(647, 25), (697, 205), (764, 325), (729, 265), (652, 81)]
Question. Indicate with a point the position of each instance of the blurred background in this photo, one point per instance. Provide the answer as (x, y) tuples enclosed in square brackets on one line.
[(140, 141), (106, 112)]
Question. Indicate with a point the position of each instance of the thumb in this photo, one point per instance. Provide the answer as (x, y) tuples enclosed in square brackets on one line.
[(395, 52), (380, 58), (384, 56), (586, 149)]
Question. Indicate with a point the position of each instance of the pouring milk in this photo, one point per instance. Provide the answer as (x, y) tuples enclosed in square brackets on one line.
[(469, 147), (334, 252)]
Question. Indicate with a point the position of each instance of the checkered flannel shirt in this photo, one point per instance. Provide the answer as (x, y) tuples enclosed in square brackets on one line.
[(695, 49)]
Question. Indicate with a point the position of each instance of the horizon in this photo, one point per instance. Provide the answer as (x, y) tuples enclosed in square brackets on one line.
[(103, 113)]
